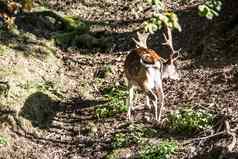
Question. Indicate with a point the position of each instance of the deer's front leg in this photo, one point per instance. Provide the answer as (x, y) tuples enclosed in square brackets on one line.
[(160, 94), (130, 100), (148, 102)]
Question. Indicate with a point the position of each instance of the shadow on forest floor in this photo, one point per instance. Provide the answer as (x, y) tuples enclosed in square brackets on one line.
[(216, 153)]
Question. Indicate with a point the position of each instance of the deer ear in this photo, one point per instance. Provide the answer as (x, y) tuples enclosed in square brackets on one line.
[(163, 60)]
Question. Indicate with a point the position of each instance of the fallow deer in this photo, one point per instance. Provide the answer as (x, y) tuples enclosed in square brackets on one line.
[(145, 68)]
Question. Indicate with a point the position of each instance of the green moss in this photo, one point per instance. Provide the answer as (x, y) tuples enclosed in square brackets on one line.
[(64, 39), (73, 23)]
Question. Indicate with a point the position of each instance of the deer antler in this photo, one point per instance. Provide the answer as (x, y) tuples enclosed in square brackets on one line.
[(169, 42), (142, 38)]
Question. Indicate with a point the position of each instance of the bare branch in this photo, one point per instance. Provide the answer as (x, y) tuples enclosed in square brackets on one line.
[(227, 131)]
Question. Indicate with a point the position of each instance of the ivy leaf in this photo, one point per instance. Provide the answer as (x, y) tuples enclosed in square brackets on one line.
[(203, 10), (150, 27), (177, 26), (209, 15), (218, 5), (158, 23), (164, 19), (175, 21), (210, 8)]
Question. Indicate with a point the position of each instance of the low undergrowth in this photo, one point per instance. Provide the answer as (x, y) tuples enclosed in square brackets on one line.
[(116, 96), (3, 140), (187, 120), (139, 136), (163, 150)]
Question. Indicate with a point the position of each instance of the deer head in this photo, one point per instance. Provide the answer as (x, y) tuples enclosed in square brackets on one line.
[(170, 69)]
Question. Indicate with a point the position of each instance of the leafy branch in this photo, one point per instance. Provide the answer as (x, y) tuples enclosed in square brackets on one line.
[(210, 8), (163, 16)]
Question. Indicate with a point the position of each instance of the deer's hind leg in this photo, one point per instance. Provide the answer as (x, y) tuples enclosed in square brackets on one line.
[(152, 96)]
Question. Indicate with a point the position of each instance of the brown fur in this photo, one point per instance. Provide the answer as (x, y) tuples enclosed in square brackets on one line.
[(134, 70)]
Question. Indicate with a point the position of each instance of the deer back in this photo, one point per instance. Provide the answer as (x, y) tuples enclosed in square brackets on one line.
[(140, 65)]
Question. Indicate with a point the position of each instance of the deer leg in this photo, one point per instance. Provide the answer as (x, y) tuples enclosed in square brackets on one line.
[(130, 100), (155, 103), (154, 97), (160, 94), (135, 97), (148, 102)]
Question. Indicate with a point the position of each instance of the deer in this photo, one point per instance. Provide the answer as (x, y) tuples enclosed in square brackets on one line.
[(145, 68)]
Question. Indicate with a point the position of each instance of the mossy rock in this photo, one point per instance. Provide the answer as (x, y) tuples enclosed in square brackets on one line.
[(73, 23)]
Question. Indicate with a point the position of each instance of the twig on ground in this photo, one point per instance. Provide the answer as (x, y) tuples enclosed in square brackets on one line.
[(209, 136), (231, 133), (227, 131)]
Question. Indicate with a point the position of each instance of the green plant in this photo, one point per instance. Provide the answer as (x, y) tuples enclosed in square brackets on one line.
[(162, 17), (123, 140), (104, 111), (120, 140), (116, 102), (188, 120), (210, 8), (140, 131), (136, 134), (3, 140), (163, 150)]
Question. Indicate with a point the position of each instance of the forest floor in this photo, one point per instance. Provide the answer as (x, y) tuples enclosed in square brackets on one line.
[(70, 102)]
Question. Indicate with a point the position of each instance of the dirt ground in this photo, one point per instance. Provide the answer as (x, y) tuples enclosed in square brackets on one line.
[(208, 67)]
